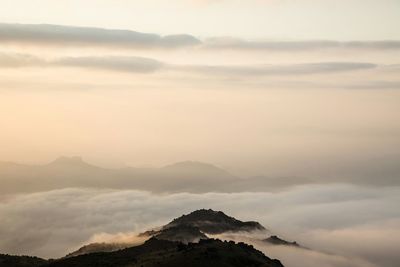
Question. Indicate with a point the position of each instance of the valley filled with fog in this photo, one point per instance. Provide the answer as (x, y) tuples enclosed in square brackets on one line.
[(342, 224)]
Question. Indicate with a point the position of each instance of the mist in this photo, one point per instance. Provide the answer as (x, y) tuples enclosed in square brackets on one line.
[(342, 223)]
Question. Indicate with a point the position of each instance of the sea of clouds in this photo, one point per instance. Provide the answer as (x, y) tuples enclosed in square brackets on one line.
[(344, 225)]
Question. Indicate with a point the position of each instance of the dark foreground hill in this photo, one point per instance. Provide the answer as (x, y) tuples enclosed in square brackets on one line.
[(163, 253), (20, 261)]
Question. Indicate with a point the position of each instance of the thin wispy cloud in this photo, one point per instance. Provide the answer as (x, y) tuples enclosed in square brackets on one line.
[(48, 34), (306, 45), (148, 65), (15, 60), (293, 69), (114, 63), (68, 35)]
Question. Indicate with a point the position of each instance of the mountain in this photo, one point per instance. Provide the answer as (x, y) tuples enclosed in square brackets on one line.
[(192, 227), (182, 242), (197, 224), (186, 176), (20, 261), (98, 247), (66, 172), (214, 222), (72, 161), (199, 169), (163, 253), (181, 233), (275, 240)]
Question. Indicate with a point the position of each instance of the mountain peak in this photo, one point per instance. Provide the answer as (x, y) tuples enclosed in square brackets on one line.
[(214, 222), (275, 240), (196, 167), (63, 160)]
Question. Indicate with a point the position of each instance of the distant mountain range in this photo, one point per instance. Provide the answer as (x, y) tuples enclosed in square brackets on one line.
[(182, 242), (187, 176)]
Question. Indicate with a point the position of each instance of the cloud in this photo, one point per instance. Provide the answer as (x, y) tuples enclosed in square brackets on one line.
[(53, 223), (60, 35), (115, 63), (292, 69), (307, 45), (15, 60), (69, 35), (148, 65), (380, 241), (299, 257)]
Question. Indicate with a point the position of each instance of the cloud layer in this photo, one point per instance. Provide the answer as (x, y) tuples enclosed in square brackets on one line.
[(308, 45), (72, 35), (148, 65), (53, 223), (68, 35)]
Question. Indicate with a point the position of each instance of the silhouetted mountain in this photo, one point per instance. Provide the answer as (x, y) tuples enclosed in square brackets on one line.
[(214, 222), (275, 240), (98, 247), (163, 253), (187, 228), (197, 224), (190, 228), (182, 233), (171, 245), (20, 261)]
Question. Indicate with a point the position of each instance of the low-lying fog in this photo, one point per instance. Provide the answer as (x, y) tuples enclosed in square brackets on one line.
[(344, 225)]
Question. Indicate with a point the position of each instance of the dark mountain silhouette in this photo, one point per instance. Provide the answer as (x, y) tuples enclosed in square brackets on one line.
[(98, 247), (189, 228), (197, 224), (275, 240), (214, 222), (182, 233), (155, 252), (171, 245), (20, 261)]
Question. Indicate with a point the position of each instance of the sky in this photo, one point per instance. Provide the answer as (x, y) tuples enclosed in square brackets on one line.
[(257, 87), (271, 88), (288, 19)]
